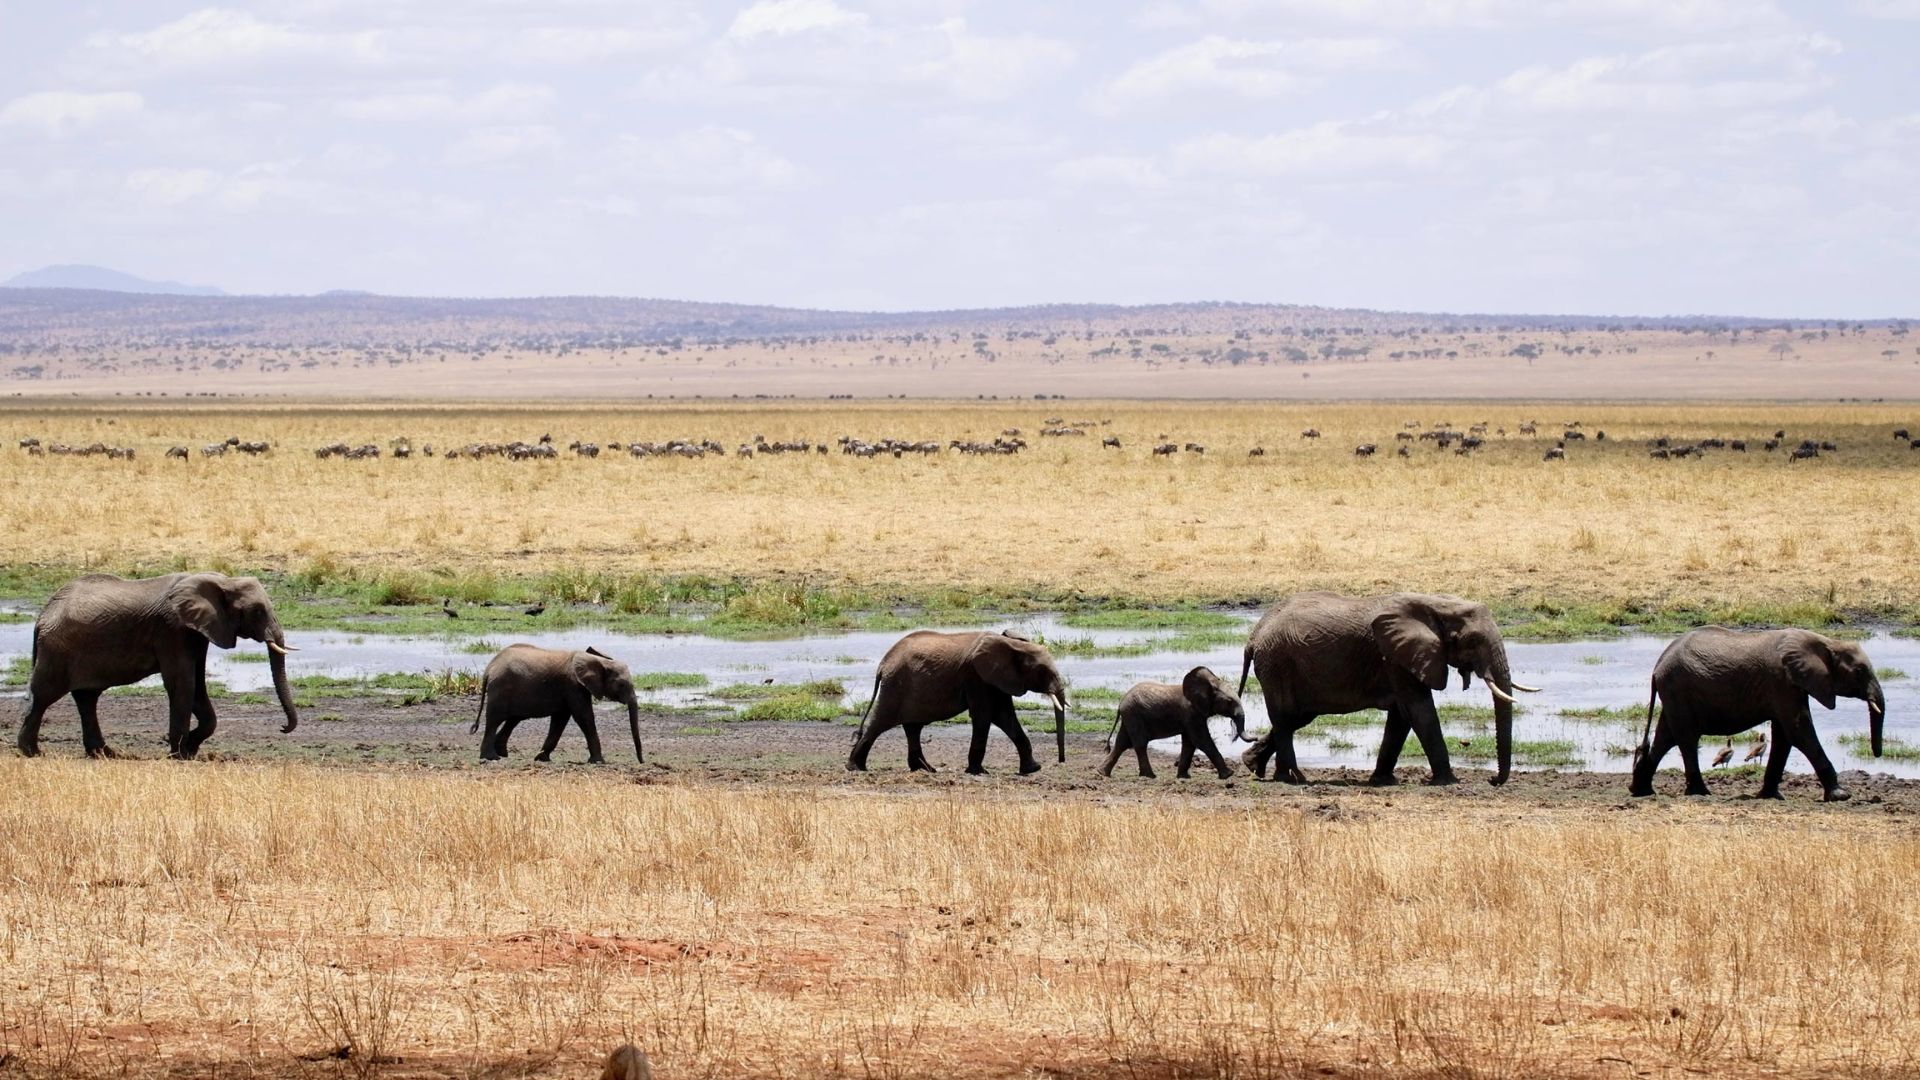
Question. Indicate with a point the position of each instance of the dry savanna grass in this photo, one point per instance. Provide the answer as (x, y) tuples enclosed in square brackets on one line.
[(1067, 515), (233, 919)]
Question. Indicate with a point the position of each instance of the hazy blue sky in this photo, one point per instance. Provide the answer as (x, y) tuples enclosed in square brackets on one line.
[(1603, 156)]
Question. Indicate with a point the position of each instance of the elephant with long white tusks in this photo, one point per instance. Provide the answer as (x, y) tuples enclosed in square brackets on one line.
[(1321, 653), (101, 631), (929, 676), (1718, 682)]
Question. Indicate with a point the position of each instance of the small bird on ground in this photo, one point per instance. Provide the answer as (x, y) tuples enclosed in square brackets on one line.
[(537, 609), (1724, 756), (766, 682), (1758, 749), (446, 608), (627, 1063)]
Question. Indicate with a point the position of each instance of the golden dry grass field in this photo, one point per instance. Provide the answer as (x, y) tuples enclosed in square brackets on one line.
[(248, 920), (1607, 525)]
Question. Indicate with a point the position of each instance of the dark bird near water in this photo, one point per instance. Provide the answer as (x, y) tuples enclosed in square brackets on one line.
[(537, 609), (446, 608)]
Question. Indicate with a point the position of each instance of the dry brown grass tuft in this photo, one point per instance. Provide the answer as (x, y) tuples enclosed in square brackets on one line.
[(250, 917), (1607, 524)]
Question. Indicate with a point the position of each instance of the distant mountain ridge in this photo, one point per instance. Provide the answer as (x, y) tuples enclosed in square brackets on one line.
[(103, 279)]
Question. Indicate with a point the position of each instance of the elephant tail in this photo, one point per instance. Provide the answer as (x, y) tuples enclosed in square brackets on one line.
[(1113, 731), (1646, 733), (482, 710), (1246, 665), (864, 713)]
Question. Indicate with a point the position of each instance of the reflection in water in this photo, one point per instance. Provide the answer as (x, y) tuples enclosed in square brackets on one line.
[(1577, 676)]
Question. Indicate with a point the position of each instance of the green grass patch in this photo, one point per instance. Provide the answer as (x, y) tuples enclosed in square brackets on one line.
[(1891, 749), (1593, 661), (480, 647), (1889, 674), (819, 688), (1153, 619), (699, 729), (668, 680), (1540, 753), (18, 671), (1094, 693), (247, 657), (791, 708), (1605, 714), (1340, 745), (16, 617)]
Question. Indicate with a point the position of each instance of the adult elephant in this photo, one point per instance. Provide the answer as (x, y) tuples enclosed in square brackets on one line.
[(1716, 681), (1320, 653), (525, 681), (101, 631), (929, 676), (1152, 710)]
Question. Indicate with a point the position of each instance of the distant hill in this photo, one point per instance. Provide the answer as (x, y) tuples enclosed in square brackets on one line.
[(75, 276)]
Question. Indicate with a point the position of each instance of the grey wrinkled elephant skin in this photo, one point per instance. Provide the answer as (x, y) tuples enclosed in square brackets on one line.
[(525, 681), (928, 677), (101, 631), (1152, 710), (1321, 653), (1720, 682)]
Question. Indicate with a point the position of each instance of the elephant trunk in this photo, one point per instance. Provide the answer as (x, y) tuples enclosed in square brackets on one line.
[(1500, 684), (1058, 693), (1239, 722), (633, 722), (277, 664), (1876, 715)]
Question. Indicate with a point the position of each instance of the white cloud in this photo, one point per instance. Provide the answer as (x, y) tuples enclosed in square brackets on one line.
[(499, 145), (781, 18), (1327, 149), (214, 38), (1110, 170), (707, 157), (1887, 9), (1682, 78), (501, 104), (1687, 16), (64, 113), (170, 187), (1252, 69)]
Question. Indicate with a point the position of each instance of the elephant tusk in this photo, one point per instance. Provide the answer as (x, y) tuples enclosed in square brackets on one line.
[(281, 649), (1499, 693), (1058, 702), (1524, 687)]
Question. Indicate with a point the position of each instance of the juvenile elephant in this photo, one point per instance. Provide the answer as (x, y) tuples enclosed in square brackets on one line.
[(525, 681), (100, 631), (929, 676), (1716, 681), (1154, 710), (1319, 653)]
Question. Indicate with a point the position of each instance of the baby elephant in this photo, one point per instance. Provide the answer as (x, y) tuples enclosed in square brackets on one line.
[(525, 681), (1162, 710)]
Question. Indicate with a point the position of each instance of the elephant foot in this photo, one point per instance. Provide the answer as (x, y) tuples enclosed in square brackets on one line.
[(856, 766), (1838, 794), (1385, 779), (541, 756), (1295, 776), (1771, 793), (923, 766), (106, 752), (596, 761), (1028, 768), (1224, 774), (1442, 780), (1639, 790), (976, 770), (1183, 775)]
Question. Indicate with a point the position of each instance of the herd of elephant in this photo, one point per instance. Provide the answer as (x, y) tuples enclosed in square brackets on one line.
[(1315, 654)]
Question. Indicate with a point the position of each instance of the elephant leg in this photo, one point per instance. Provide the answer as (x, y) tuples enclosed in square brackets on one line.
[(1781, 745), (1008, 721), (1122, 742), (1649, 762), (591, 729), (1204, 740), (982, 716), (1184, 769), (1137, 739), (881, 718), (202, 712), (1807, 741), (180, 693), (1690, 758), (87, 703), (41, 694), (916, 754), (1433, 741), (1391, 741), (493, 744), (556, 726)]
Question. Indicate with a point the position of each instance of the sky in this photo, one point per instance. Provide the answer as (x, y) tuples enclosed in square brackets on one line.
[(1738, 157)]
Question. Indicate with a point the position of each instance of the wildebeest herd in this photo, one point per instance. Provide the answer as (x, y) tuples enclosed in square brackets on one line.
[(1315, 654)]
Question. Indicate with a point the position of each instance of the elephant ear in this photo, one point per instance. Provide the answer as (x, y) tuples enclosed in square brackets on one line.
[(996, 660), (200, 603), (590, 671), (1410, 642), (1198, 687), (1810, 666)]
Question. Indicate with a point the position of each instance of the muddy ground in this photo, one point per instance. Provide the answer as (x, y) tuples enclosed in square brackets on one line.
[(690, 747)]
